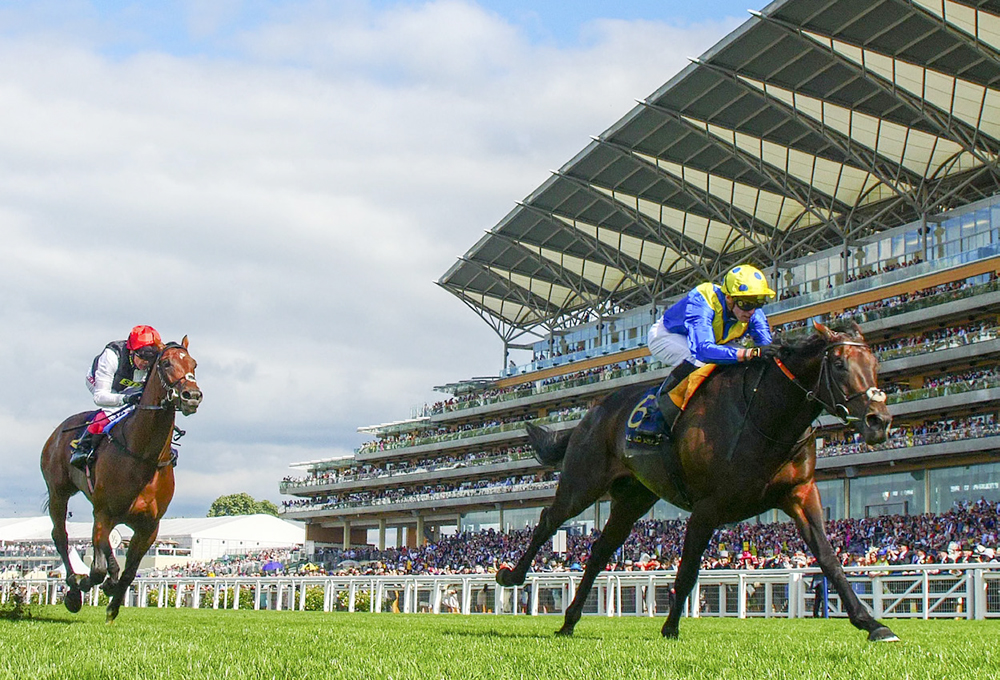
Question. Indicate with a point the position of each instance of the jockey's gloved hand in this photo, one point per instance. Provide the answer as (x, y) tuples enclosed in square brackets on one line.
[(131, 396), (765, 352)]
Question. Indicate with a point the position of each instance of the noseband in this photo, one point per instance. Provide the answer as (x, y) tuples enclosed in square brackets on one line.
[(838, 408), (173, 394)]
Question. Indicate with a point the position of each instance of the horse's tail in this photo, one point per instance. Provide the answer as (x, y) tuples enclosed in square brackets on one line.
[(550, 447)]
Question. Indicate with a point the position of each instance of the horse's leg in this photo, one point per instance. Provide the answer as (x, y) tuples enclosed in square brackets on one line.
[(630, 501), (58, 503), (701, 524), (111, 582), (142, 537), (102, 548), (569, 502), (804, 506)]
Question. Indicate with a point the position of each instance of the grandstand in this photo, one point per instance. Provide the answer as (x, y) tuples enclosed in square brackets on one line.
[(847, 148)]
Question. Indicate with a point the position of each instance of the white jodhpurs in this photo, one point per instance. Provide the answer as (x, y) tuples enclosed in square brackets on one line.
[(670, 349)]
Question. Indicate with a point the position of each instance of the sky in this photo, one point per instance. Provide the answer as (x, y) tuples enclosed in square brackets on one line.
[(284, 183)]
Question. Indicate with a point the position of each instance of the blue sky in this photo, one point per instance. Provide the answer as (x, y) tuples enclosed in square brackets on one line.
[(284, 183), (194, 27)]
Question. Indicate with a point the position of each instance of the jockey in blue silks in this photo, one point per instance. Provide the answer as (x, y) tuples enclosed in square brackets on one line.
[(702, 327)]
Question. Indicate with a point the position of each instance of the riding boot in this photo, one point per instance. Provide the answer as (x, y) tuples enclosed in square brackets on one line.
[(83, 450), (668, 408)]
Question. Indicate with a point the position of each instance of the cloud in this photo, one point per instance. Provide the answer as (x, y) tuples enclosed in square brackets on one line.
[(287, 200)]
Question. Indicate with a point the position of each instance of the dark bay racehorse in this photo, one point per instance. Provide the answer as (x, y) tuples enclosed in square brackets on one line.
[(133, 480), (742, 446)]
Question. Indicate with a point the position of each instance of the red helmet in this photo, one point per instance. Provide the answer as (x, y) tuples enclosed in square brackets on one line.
[(143, 336)]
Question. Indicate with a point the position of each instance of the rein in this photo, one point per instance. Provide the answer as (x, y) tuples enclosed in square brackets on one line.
[(746, 415), (166, 403), (838, 409)]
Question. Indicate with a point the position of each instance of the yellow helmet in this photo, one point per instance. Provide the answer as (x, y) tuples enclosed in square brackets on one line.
[(745, 281)]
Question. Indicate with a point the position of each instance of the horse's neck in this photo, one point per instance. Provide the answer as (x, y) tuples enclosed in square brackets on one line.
[(798, 412), (151, 425)]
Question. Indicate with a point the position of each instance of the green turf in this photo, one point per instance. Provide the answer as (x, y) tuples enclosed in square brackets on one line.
[(181, 643)]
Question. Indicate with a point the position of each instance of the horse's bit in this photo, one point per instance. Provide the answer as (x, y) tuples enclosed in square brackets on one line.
[(838, 409)]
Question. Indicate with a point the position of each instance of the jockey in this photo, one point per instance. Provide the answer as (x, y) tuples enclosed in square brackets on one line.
[(700, 327), (116, 379)]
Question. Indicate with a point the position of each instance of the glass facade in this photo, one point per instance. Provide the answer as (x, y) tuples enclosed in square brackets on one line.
[(519, 518), (831, 493), (949, 486), (895, 494), (482, 521), (960, 236), (664, 510)]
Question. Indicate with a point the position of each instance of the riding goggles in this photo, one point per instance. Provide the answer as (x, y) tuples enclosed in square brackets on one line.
[(146, 353), (750, 304)]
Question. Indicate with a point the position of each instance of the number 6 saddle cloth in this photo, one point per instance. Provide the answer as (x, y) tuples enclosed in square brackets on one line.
[(645, 426)]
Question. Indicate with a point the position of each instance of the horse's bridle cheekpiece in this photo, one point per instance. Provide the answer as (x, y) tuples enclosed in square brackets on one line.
[(838, 409)]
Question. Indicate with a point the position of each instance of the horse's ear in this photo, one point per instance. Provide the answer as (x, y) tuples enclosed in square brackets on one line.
[(856, 329), (823, 330), (184, 342)]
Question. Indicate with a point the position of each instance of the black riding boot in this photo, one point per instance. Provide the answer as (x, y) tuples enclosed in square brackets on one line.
[(667, 406), (83, 450)]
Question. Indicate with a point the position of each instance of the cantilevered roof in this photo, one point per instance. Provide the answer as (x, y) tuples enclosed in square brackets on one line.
[(814, 124)]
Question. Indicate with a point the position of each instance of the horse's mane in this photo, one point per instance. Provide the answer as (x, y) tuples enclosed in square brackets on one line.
[(813, 343)]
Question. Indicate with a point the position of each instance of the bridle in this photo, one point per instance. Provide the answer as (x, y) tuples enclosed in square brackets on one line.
[(838, 408), (172, 398), (840, 400), (170, 401)]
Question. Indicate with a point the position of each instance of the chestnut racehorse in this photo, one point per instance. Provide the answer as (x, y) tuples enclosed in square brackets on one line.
[(743, 446), (133, 479)]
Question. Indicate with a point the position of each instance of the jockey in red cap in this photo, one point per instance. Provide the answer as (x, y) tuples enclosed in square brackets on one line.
[(116, 379)]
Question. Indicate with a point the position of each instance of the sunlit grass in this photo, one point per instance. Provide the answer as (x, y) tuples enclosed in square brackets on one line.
[(182, 643)]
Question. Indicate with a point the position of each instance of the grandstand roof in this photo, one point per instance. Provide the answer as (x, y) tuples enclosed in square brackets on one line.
[(814, 124)]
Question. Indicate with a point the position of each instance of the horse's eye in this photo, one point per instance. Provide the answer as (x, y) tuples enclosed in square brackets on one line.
[(840, 364), (165, 363)]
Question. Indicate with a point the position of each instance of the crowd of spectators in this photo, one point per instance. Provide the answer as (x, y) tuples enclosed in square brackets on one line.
[(866, 272), (424, 492), (972, 379), (938, 339), (496, 394), (967, 533), (895, 303), (382, 469), (461, 430), (915, 434), (270, 561)]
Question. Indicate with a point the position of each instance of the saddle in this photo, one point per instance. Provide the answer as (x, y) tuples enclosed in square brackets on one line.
[(647, 446), (646, 425)]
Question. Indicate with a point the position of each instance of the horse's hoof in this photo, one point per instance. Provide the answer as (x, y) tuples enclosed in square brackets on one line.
[(79, 582), (73, 601), (565, 631), (110, 618), (670, 634), (505, 577), (882, 634)]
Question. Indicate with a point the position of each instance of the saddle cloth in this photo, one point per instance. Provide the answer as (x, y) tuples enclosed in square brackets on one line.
[(645, 425)]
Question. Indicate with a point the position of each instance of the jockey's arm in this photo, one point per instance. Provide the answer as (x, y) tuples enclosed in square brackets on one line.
[(104, 376), (759, 329), (701, 336)]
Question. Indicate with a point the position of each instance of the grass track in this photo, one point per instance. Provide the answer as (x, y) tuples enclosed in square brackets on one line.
[(190, 644)]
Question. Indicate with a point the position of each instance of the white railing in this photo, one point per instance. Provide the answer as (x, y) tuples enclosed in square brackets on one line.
[(969, 591)]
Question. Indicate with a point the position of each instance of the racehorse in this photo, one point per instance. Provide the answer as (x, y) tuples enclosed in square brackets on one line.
[(133, 479), (743, 445)]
